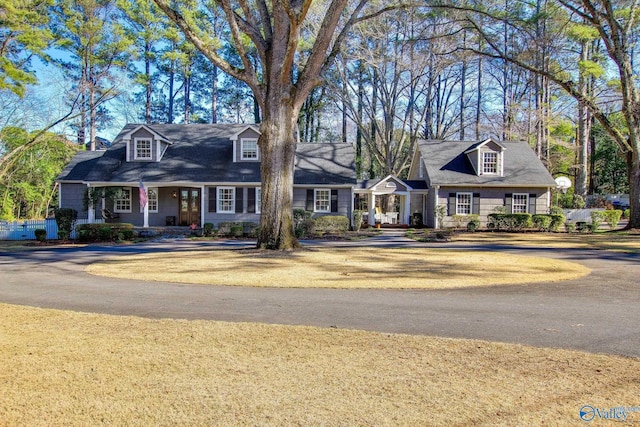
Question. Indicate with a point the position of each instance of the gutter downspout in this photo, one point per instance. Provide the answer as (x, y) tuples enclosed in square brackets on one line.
[(435, 207)]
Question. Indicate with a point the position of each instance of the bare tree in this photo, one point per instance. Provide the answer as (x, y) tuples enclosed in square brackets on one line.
[(281, 79)]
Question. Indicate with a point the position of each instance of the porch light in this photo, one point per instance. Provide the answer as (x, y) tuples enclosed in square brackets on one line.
[(174, 194)]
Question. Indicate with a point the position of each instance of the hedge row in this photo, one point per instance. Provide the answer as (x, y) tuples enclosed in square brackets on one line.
[(522, 221), (104, 232), (237, 229)]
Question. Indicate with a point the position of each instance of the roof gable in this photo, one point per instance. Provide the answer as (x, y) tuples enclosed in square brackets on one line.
[(448, 163)]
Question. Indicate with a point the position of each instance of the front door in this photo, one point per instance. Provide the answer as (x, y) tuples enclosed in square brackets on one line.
[(189, 206)]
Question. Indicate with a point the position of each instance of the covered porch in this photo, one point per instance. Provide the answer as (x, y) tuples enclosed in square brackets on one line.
[(386, 202), (166, 205)]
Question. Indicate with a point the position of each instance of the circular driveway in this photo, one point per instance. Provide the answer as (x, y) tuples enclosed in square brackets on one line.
[(597, 313)]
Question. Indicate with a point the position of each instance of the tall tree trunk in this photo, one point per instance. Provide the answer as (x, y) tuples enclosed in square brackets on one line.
[(214, 95), (147, 74), (360, 113), (463, 82), (278, 150), (478, 99)]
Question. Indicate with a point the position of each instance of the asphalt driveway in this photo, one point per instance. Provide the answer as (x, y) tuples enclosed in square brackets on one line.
[(598, 313)]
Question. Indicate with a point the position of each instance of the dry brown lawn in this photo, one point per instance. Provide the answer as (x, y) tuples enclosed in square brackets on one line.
[(60, 368), (341, 268), (621, 241)]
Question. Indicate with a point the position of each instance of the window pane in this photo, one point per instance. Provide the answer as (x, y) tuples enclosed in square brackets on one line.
[(249, 149), (226, 199), (322, 200), (463, 203), (143, 148), (490, 162), (520, 203)]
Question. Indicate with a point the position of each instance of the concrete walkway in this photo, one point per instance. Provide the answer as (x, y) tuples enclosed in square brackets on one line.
[(598, 313)]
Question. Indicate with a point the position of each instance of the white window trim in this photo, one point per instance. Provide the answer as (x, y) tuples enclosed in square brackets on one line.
[(153, 190), (242, 151), (470, 203), (315, 200), (219, 200), (497, 155), (513, 204), (258, 200), (135, 149), (115, 202)]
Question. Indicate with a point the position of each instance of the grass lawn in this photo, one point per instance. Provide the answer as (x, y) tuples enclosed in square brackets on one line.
[(341, 268), (75, 369)]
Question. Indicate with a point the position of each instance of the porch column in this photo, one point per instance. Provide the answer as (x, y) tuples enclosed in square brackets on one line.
[(202, 206), (91, 211), (407, 209), (372, 209)]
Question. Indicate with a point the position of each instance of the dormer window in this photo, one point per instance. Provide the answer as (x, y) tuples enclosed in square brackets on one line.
[(249, 149), (142, 149), (490, 162)]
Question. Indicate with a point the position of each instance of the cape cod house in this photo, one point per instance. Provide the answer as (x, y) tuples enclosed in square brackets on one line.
[(200, 173)]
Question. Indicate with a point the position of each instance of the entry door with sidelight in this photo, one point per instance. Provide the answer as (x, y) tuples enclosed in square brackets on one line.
[(190, 206)]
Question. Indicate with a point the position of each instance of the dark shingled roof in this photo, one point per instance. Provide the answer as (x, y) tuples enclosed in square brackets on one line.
[(203, 153), (447, 164)]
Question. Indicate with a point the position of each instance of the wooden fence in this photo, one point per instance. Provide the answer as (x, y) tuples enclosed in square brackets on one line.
[(25, 230)]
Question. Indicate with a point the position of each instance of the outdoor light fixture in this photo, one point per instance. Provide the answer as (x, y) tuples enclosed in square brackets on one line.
[(174, 194)]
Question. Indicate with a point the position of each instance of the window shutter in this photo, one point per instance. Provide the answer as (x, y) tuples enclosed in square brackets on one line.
[(452, 204), (239, 191), (334, 200), (508, 202), (476, 204), (532, 203), (251, 200), (213, 193), (309, 206)]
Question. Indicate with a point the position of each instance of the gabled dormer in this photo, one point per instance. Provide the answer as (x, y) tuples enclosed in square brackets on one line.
[(487, 158), (245, 145), (145, 145)]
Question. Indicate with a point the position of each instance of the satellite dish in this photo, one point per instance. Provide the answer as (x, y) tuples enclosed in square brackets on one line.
[(563, 183)]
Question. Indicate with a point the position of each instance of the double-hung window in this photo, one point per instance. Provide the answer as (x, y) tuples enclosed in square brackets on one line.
[(489, 162), (152, 199), (226, 199), (122, 201), (142, 149), (520, 203), (249, 149), (464, 203), (322, 200)]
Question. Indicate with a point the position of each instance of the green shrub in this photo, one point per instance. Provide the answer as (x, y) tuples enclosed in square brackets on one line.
[(236, 230), (224, 228), (597, 218), (250, 229), (473, 222), (557, 221), (570, 226), (306, 228), (357, 219), (65, 219), (208, 229), (612, 217), (331, 224), (509, 222), (542, 222), (626, 214), (416, 219), (41, 235), (105, 232), (556, 210)]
